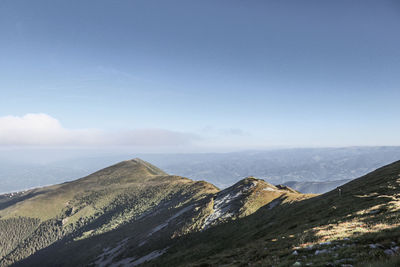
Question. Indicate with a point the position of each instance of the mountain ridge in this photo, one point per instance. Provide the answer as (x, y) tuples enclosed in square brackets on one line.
[(132, 214), (355, 225), (131, 194)]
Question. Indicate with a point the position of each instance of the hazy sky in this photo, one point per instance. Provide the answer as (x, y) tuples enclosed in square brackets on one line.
[(199, 75)]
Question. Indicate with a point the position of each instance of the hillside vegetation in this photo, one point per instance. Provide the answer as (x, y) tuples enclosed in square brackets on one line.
[(120, 215), (356, 225), (133, 213)]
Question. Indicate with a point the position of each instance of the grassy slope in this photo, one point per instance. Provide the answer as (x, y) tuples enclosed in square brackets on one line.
[(366, 212), (132, 201), (133, 198), (45, 203), (104, 201)]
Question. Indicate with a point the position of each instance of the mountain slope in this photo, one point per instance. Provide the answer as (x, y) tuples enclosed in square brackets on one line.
[(90, 206), (135, 214), (358, 223), (316, 187), (119, 215)]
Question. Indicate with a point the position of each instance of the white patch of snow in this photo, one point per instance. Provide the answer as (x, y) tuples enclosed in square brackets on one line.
[(142, 243), (110, 253), (149, 257), (158, 228), (123, 262), (222, 208), (165, 224), (179, 213), (268, 189)]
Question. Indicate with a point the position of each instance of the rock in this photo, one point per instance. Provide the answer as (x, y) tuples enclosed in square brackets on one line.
[(396, 249), (297, 263), (375, 211), (376, 246), (322, 251), (389, 252), (295, 253), (326, 243), (343, 261), (64, 221)]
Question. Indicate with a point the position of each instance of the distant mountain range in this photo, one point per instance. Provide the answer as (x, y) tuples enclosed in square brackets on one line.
[(26, 169), (133, 213)]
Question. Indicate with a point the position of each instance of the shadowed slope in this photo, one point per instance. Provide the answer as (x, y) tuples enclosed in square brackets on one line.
[(89, 206), (359, 223), (121, 214)]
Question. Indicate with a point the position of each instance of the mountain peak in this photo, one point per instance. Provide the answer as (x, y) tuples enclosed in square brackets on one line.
[(138, 163), (246, 197), (134, 170)]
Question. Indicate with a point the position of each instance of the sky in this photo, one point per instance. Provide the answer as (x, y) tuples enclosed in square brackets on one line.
[(199, 75)]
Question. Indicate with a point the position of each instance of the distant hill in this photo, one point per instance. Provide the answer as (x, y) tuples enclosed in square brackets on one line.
[(279, 166), (313, 187), (21, 169)]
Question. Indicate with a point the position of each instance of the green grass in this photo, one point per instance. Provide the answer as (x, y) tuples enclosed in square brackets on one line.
[(269, 237), (132, 198), (91, 206)]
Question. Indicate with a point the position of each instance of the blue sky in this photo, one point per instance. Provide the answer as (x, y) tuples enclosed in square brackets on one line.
[(199, 75)]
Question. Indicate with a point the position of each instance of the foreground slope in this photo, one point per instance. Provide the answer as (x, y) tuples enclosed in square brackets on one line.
[(357, 224), (125, 214)]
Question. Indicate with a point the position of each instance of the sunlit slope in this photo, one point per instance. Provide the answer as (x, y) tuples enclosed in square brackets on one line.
[(121, 214), (44, 203), (108, 199), (357, 224)]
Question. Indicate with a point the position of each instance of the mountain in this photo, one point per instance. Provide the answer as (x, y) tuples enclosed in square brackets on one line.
[(315, 187), (126, 213), (355, 225), (133, 213)]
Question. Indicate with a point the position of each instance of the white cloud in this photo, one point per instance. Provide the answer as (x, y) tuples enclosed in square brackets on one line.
[(44, 130), (224, 131)]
